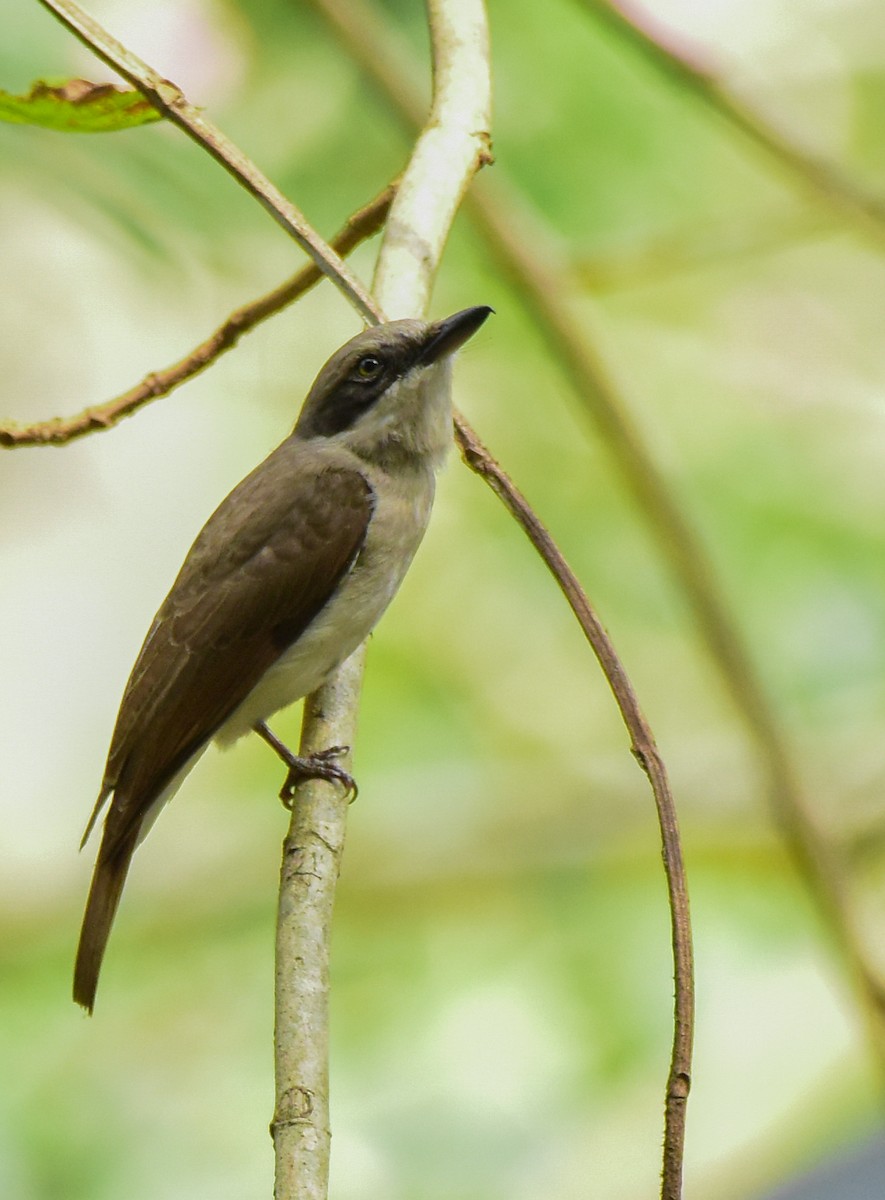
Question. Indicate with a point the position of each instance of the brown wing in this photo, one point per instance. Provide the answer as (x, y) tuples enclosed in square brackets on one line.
[(264, 565)]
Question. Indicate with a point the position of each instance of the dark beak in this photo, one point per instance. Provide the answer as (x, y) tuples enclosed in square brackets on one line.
[(446, 336)]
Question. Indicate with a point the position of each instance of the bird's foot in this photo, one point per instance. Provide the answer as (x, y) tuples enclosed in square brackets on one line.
[(311, 766), (317, 766)]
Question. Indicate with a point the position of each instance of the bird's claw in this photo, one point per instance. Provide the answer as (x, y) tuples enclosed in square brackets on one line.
[(318, 766)]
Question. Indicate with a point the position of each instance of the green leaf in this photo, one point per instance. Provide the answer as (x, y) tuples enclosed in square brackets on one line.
[(78, 106)]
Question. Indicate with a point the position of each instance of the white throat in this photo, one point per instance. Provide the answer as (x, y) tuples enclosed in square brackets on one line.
[(411, 421)]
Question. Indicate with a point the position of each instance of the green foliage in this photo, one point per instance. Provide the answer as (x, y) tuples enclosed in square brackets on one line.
[(78, 106)]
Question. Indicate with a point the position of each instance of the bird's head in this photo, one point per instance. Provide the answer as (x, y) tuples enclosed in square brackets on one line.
[(389, 387)]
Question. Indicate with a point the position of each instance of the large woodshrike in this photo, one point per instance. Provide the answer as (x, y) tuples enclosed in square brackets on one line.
[(286, 579)]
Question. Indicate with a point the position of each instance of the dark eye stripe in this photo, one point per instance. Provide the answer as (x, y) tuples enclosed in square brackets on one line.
[(344, 408), (341, 396)]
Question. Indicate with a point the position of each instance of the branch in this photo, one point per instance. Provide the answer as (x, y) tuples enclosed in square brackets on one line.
[(171, 102), (56, 432), (359, 28), (646, 753), (541, 285), (658, 47), (448, 153)]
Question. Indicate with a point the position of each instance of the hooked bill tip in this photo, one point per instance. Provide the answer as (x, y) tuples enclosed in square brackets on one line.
[(449, 334)]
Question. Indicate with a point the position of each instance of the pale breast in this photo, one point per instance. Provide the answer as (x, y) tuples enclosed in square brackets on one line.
[(397, 527)]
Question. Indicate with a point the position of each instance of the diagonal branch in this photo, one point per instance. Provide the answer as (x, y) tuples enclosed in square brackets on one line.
[(818, 175), (171, 102), (647, 755), (360, 225)]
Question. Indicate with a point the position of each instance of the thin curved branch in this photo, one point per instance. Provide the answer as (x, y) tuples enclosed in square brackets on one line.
[(819, 176), (542, 290), (541, 284), (171, 102), (647, 755), (360, 225), (452, 147)]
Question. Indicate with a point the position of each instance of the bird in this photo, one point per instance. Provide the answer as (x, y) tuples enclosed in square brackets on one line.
[(286, 579)]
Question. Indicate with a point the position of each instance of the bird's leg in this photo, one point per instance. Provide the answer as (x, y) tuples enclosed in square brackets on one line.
[(314, 766)]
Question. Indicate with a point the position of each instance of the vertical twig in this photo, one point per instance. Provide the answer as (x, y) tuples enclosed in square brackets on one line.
[(448, 153), (312, 850)]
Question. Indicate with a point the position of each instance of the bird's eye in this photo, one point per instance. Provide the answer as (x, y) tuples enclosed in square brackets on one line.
[(369, 367)]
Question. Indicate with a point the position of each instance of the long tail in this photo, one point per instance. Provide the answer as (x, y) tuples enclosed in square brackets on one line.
[(101, 907)]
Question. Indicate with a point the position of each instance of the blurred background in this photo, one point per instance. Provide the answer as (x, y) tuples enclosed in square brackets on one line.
[(502, 984)]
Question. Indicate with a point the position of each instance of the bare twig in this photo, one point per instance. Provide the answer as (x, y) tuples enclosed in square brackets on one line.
[(817, 174), (646, 753), (448, 153), (542, 289), (311, 861), (170, 100), (56, 432)]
